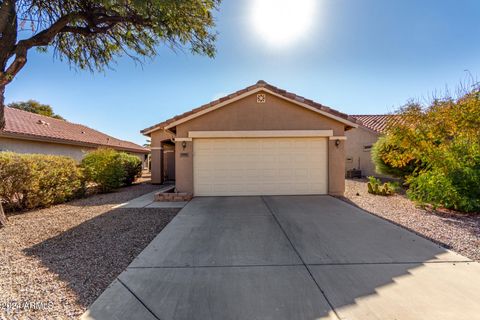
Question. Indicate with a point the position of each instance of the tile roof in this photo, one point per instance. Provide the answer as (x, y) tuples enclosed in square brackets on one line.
[(259, 84), (377, 122), (22, 124)]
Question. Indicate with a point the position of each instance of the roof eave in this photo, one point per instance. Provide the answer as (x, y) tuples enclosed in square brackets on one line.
[(165, 125), (24, 136)]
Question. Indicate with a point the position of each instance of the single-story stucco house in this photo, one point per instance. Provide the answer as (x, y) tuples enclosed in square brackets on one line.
[(361, 139), (261, 140), (27, 132)]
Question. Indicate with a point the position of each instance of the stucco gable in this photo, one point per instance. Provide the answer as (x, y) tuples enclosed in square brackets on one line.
[(247, 114), (259, 87)]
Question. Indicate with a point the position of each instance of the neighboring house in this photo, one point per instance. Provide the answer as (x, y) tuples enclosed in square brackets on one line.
[(27, 132), (360, 141), (261, 140)]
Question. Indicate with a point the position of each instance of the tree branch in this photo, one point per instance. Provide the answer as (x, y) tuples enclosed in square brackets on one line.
[(5, 11), (86, 21), (8, 31), (42, 38)]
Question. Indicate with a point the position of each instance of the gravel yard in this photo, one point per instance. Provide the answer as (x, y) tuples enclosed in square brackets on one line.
[(458, 232), (59, 259)]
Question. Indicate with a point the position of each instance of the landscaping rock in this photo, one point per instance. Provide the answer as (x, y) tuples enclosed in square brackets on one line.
[(456, 231), (55, 262)]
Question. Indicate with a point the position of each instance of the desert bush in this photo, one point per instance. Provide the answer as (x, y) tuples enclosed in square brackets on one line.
[(376, 187), (104, 168), (110, 169), (436, 150), (132, 166), (453, 181), (15, 176), (391, 159), (34, 180)]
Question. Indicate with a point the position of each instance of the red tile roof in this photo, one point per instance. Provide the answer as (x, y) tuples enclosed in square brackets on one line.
[(377, 122), (22, 124), (259, 84)]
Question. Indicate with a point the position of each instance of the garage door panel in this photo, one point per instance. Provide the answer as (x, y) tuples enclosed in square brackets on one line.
[(252, 173), (315, 176), (255, 188), (285, 175), (206, 188), (260, 166), (205, 175)]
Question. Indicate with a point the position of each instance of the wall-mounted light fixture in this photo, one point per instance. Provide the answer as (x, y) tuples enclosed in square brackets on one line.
[(337, 142), (184, 144)]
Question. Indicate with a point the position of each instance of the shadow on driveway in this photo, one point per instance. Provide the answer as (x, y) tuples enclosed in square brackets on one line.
[(215, 262), (91, 255)]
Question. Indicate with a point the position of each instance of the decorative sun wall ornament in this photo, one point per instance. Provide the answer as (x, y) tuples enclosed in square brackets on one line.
[(261, 98)]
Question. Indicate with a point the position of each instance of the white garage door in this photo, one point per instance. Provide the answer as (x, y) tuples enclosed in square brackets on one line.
[(260, 166)]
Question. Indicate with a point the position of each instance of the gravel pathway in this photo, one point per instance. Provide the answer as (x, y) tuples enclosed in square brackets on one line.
[(55, 262), (458, 232)]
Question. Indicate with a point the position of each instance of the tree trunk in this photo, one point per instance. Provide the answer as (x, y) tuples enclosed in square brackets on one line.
[(3, 218), (2, 107), (8, 38)]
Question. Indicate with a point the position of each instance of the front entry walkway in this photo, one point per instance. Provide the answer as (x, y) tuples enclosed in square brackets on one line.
[(148, 201), (290, 257)]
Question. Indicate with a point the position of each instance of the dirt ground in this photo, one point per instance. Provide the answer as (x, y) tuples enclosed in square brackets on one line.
[(459, 232), (55, 262)]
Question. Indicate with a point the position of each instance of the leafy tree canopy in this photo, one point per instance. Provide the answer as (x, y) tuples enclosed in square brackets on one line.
[(90, 34), (35, 107), (436, 149)]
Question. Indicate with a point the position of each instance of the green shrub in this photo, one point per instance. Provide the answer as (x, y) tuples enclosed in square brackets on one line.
[(436, 149), (392, 160), (132, 166), (452, 182), (110, 169), (376, 187), (105, 168), (34, 180), (15, 177)]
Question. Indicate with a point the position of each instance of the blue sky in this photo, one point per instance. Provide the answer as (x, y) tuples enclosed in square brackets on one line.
[(357, 56)]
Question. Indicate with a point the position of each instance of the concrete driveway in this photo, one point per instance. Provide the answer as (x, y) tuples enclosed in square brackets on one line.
[(290, 257)]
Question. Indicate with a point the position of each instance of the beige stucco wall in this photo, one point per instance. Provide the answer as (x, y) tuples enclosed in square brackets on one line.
[(29, 146), (246, 114), (356, 155), (336, 168)]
